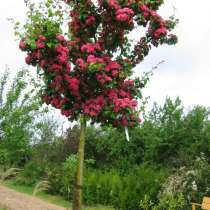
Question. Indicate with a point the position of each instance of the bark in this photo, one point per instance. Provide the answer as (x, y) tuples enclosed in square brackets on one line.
[(77, 201)]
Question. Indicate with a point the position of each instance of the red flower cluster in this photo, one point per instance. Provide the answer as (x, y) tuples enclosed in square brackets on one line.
[(93, 107), (124, 103), (40, 42), (90, 20), (124, 15), (113, 4), (157, 24), (90, 47)]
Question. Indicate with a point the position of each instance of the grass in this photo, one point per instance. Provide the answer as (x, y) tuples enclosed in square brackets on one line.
[(58, 200), (2, 207)]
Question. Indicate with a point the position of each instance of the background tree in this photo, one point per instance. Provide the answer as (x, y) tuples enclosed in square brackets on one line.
[(18, 111), (87, 74)]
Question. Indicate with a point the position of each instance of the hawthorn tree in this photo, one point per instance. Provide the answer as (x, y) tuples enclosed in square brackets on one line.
[(83, 51)]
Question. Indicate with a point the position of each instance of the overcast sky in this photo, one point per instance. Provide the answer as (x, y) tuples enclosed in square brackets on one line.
[(185, 72)]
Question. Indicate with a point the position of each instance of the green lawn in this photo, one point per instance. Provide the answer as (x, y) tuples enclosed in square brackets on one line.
[(58, 200)]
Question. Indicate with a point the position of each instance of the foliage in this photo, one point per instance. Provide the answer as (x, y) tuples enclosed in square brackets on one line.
[(9, 173), (18, 109), (173, 137), (123, 192), (167, 202), (40, 187), (192, 183), (169, 137), (69, 172), (105, 144), (106, 188)]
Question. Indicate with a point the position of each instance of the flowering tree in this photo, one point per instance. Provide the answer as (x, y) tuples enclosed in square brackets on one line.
[(87, 68)]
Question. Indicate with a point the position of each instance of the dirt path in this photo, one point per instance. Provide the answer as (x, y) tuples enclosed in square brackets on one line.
[(19, 201)]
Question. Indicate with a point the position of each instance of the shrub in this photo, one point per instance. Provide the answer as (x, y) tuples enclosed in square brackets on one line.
[(168, 202), (192, 182), (31, 174), (123, 192)]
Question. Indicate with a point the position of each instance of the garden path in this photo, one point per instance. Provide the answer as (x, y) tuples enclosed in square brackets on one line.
[(18, 201)]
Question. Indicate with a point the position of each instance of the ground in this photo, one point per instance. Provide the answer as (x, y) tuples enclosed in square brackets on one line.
[(14, 196), (11, 199)]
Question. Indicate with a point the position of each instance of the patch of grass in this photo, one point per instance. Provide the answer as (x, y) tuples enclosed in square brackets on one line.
[(3, 208), (54, 199)]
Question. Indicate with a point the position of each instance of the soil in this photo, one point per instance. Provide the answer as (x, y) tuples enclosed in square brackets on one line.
[(18, 201)]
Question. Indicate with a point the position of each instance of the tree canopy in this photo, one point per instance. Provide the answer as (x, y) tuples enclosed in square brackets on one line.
[(88, 68)]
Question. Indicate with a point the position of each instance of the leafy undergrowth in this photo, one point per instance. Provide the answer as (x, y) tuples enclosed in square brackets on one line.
[(58, 200)]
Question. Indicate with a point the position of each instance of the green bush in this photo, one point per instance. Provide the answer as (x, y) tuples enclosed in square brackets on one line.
[(168, 202), (69, 170), (192, 182), (107, 187), (122, 192), (31, 174)]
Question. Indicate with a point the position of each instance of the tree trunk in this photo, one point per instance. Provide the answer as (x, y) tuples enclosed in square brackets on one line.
[(77, 201)]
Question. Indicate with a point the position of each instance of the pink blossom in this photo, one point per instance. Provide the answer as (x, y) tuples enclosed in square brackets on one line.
[(154, 14), (90, 47), (93, 59), (61, 49), (122, 103), (126, 10), (42, 38), (124, 14), (124, 94), (55, 67), (58, 79), (112, 94), (73, 82), (143, 8), (22, 45), (40, 44), (124, 121), (80, 62), (66, 112), (43, 64), (103, 78), (113, 65), (28, 59), (145, 14), (113, 4), (90, 20), (68, 67), (62, 59), (160, 32), (93, 107), (60, 38), (115, 73), (122, 17)]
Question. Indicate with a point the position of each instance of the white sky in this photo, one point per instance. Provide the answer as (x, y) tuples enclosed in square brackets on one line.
[(185, 72)]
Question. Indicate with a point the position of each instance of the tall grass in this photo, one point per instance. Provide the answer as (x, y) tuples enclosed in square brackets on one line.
[(11, 172)]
